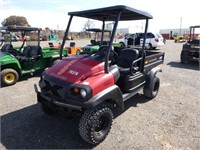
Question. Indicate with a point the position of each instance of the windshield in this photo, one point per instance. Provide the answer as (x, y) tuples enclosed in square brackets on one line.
[(16, 38), (195, 33), (97, 36), (31, 38)]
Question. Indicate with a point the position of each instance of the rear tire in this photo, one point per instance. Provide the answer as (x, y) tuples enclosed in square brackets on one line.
[(9, 77), (152, 89), (95, 124), (149, 47)]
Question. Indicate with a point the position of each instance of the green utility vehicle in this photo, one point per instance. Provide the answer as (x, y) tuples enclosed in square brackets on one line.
[(191, 49), (26, 59), (96, 42)]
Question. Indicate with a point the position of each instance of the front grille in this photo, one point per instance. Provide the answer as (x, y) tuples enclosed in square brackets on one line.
[(53, 90), (59, 90)]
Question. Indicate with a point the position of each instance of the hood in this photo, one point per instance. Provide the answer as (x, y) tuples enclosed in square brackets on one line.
[(90, 48), (75, 69), (5, 57), (4, 54)]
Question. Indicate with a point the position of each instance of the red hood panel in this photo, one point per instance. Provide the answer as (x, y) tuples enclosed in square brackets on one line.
[(75, 69)]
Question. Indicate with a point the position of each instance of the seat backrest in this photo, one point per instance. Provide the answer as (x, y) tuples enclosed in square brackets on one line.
[(51, 44), (72, 44), (26, 50), (6, 47), (126, 57), (93, 42), (34, 51), (104, 43), (195, 42), (118, 50)]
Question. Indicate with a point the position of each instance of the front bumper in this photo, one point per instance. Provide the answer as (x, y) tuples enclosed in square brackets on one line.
[(69, 103), (53, 103), (56, 92)]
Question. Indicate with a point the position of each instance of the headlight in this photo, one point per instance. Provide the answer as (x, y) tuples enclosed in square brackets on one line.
[(78, 92), (83, 93), (75, 91)]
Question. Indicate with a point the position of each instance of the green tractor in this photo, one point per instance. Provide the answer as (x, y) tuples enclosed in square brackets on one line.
[(26, 59), (96, 42)]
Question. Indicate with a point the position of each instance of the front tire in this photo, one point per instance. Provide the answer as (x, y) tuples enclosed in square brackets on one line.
[(9, 77), (184, 57), (151, 90), (95, 124)]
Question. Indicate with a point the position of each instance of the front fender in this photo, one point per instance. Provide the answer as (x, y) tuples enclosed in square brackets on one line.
[(112, 93)]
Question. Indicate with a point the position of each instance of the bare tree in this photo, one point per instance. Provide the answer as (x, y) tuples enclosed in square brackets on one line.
[(88, 24)]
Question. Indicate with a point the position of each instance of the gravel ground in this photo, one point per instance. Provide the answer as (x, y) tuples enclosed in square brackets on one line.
[(169, 121)]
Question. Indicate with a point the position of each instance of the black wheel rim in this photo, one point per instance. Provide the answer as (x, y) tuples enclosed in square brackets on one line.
[(102, 126)]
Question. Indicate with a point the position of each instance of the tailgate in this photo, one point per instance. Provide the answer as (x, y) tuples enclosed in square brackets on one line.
[(153, 59)]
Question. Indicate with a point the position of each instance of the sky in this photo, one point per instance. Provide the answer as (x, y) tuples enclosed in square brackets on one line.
[(167, 14)]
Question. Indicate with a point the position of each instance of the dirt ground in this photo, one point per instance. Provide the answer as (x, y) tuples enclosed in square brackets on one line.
[(169, 121)]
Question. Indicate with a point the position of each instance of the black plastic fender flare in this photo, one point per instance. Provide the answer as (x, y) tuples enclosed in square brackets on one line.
[(151, 75), (112, 93)]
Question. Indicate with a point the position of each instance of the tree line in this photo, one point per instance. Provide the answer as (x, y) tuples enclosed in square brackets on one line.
[(22, 21)]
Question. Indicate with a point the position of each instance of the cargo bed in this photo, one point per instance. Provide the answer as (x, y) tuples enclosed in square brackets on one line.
[(153, 59)]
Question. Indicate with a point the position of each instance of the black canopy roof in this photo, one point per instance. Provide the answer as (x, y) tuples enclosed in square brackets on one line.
[(19, 28), (109, 13), (194, 26), (97, 30)]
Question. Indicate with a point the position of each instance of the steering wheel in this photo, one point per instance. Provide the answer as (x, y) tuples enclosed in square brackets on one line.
[(102, 53), (113, 56)]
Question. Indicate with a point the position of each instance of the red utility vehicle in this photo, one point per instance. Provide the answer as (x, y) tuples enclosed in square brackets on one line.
[(94, 84)]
